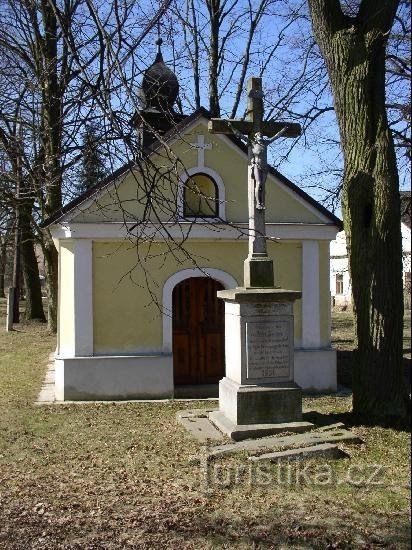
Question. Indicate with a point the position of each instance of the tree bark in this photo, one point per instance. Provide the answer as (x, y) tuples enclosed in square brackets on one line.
[(34, 303), (354, 51), (214, 14), (16, 263), (51, 266), (51, 141), (3, 259), (195, 57)]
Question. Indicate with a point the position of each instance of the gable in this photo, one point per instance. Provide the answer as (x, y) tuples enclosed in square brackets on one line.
[(222, 158)]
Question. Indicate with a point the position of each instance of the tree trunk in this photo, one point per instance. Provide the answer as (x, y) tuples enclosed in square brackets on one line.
[(51, 267), (214, 15), (51, 141), (3, 259), (354, 51), (195, 57), (16, 265), (34, 303)]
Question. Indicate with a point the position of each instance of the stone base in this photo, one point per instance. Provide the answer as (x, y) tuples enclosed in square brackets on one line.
[(258, 272), (260, 404), (238, 432), (315, 369), (114, 378)]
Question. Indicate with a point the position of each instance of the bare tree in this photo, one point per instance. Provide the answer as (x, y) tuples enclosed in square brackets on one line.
[(221, 42), (354, 48), (68, 59), (17, 197)]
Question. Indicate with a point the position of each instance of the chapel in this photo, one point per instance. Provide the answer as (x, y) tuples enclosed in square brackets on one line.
[(143, 253)]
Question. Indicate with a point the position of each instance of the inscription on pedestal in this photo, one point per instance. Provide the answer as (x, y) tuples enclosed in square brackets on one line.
[(273, 308), (268, 349)]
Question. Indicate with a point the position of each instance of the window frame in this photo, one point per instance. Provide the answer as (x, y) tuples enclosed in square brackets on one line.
[(192, 215), (339, 284), (220, 199)]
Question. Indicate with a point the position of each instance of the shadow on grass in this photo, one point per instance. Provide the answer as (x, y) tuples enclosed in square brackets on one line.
[(345, 362), (350, 420)]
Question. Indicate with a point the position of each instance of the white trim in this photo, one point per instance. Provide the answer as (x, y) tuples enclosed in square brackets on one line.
[(310, 295), (200, 147), (221, 276), (203, 231), (59, 289), (83, 297), (220, 189)]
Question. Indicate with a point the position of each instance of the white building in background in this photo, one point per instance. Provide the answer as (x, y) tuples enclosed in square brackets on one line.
[(340, 282), (406, 255)]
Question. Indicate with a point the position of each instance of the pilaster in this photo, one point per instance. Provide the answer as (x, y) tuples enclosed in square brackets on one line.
[(83, 298), (310, 295)]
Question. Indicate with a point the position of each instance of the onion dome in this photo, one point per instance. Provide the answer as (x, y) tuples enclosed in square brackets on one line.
[(160, 85)]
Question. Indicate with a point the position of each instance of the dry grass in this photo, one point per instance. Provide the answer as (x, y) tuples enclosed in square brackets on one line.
[(120, 476)]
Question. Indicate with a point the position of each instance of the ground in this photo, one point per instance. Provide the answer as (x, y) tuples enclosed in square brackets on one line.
[(124, 475)]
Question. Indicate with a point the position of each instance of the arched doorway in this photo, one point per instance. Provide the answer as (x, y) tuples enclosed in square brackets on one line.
[(198, 332)]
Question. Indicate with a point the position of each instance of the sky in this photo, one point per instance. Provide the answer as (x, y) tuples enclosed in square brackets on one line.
[(294, 81)]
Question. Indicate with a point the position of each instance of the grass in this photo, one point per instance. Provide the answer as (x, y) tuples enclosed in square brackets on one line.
[(121, 476)]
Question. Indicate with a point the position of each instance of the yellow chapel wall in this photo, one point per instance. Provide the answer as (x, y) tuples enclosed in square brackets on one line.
[(225, 158), (127, 318), (66, 296)]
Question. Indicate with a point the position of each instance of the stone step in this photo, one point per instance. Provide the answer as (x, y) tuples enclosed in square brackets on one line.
[(274, 443), (197, 423), (323, 450), (337, 426), (238, 432)]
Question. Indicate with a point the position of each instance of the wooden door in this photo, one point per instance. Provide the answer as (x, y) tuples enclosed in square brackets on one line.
[(198, 332)]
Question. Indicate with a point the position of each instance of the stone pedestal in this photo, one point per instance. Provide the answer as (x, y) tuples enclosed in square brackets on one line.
[(258, 272), (258, 389)]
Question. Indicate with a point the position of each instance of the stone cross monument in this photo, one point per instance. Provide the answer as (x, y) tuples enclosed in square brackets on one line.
[(258, 267), (258, 395)]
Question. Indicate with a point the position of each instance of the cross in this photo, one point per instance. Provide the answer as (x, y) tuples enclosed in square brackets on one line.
[(200, 146), (258, 267)]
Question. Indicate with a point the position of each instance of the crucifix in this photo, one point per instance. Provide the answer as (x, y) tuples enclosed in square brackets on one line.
[(258, 271)]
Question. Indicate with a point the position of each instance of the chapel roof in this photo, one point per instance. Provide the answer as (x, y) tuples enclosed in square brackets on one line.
[(177, 130)]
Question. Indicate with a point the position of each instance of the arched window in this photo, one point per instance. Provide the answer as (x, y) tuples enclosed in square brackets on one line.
[(200, 197)]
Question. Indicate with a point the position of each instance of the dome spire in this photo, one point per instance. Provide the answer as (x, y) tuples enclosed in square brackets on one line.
[(158, 43), (160, 85)]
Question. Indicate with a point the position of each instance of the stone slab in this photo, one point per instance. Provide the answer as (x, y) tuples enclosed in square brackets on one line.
[(277, 443), (197, 423), (330, 427), (260, 404), (239, 432), (258, 295), (323, 450)]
